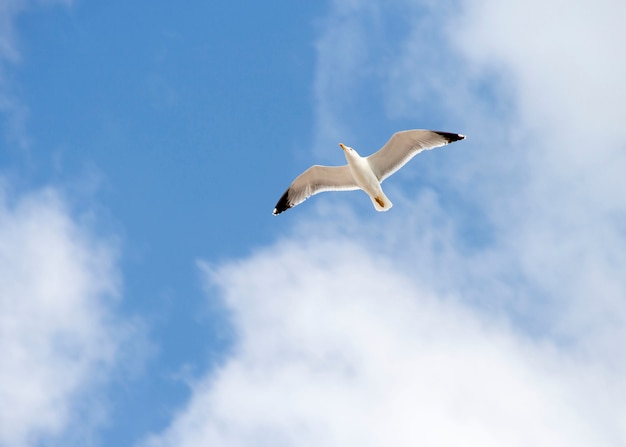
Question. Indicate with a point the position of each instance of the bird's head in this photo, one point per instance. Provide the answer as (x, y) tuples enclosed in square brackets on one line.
[(348, 151)]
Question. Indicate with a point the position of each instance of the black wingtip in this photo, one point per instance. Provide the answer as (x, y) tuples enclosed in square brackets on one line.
[(282, 205), (451, 137)]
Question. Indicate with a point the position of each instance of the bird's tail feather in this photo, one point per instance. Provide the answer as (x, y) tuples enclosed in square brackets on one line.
[(381, 202)]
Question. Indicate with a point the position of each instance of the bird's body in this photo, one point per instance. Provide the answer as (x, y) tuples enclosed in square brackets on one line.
[(365, 178), (366, 173)]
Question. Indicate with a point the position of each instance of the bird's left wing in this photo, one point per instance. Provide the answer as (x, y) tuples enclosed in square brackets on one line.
[(402, 146), (314, 180)]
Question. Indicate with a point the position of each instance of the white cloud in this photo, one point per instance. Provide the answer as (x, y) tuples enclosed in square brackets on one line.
[(406, 329), (59, 337), (567, 230), (356, 353), (563, 56)]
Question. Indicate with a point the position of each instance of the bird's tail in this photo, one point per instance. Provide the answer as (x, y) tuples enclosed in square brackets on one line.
[(381, 202)]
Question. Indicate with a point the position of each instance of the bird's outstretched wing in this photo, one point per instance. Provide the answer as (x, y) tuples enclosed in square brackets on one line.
[(402, 146), (314, 180)]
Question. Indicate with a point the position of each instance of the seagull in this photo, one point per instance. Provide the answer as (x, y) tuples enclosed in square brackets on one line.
[(366, 173)]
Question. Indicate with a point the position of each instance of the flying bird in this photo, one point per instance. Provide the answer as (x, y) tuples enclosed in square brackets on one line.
[(366, 173)]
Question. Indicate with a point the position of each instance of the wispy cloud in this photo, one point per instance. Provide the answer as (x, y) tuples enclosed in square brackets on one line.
[(488, 309), (14, 112), (60, 337)]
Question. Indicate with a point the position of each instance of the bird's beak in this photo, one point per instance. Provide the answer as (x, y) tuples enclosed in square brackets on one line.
[(342, 146)]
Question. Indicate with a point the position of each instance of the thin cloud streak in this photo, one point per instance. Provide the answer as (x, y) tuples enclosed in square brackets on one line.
[(14, 111)]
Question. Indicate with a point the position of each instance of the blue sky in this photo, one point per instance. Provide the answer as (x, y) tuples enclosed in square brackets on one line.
[(149, 298)]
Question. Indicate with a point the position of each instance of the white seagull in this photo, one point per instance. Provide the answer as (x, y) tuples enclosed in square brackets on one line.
[(366, 173)]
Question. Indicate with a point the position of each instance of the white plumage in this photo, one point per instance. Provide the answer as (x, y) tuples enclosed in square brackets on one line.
[(366, 173)]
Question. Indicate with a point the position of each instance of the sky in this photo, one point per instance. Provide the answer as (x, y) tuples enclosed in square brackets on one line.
[(149, 298)]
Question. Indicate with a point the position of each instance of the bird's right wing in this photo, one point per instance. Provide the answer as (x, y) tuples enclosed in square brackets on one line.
[(402, 146), (314, 180)]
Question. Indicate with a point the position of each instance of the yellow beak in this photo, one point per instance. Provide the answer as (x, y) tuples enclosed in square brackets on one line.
[(342, 146)]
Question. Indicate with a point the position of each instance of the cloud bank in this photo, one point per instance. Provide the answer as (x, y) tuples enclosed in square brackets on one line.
[(488, 308), (337, 347)]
